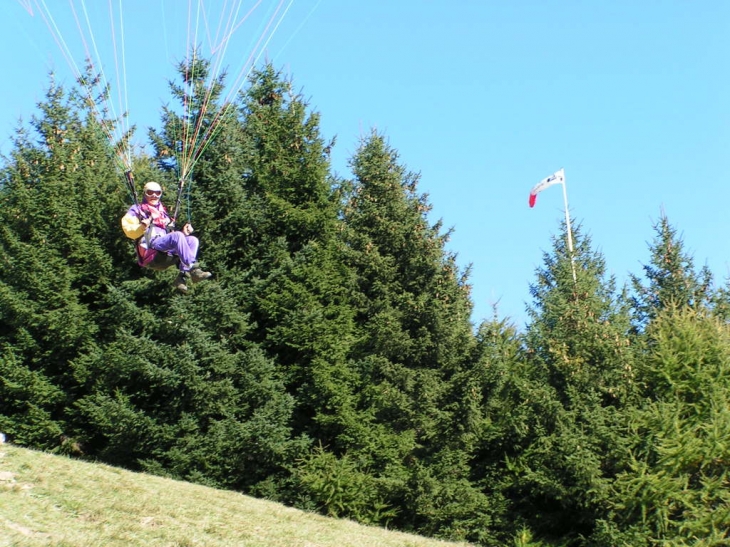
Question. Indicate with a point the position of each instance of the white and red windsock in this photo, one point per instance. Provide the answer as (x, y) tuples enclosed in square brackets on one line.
[(556, 178)]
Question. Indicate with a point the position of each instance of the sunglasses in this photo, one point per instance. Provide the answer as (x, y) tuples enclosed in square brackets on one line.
[(151, 193)]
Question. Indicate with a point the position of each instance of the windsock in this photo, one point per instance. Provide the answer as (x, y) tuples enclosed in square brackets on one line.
[(556, 178)]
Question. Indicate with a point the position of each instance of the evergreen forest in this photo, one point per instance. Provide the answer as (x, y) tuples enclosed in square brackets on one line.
[(332, 364)]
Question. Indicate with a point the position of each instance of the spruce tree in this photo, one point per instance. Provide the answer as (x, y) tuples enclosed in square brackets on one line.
[(671, 278), (287, 168), (180, 396), (98, 358), (413, 338), (296, 286), (494, 392), (194, 147), (416, 306), (269, 215), (581, 355), (674, 490), (57, 257), (181, 387)]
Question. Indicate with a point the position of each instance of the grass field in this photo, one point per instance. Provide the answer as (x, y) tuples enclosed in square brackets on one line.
[(48, 500)]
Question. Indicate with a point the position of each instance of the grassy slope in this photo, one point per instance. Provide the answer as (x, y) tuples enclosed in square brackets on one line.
[(56, 501)]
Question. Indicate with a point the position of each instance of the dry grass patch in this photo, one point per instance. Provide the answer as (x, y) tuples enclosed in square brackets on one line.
[(48, 500)]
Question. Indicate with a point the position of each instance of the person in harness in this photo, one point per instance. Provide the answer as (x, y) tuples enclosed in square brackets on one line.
[(158, 246)]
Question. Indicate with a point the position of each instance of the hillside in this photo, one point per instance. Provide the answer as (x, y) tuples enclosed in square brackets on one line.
[(54, 500)]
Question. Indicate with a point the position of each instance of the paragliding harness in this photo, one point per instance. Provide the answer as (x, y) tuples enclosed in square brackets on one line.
[(147, 257), (160, 261)]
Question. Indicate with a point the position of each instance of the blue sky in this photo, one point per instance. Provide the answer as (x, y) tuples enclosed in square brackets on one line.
[(482, 97)]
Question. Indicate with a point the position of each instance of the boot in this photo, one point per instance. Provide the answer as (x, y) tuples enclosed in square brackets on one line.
[(180, 283), (196, 275)]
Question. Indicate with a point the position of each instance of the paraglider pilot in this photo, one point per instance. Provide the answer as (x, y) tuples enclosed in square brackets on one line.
[(158, 246)]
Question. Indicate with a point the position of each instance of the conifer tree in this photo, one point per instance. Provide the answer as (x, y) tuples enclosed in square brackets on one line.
[(580, 353), (287, 254), (580, 324), (97, 357), (494, 392), (269, 215), (181, 396), (671, 278), (180, 388), (56, 257), (413, 337), (416, 308), (720, 301), (196, 148), (286, 179), (674, 489)]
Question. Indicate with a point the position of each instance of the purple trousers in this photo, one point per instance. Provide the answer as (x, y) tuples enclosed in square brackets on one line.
[(177, 243)]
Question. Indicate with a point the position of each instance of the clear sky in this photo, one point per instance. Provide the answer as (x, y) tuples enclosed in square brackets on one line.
[(482, 97)]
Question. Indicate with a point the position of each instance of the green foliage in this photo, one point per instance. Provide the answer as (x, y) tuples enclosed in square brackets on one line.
[(416, 306), (446, 504), (525, 538), (184, 134), (287, 165), (332, 363), (671, 279), (675, 490), (171, 397), (581, 326), (343, 490), (414, 309), (565, 404), (55, 260), (413, 343), (26, 397)]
